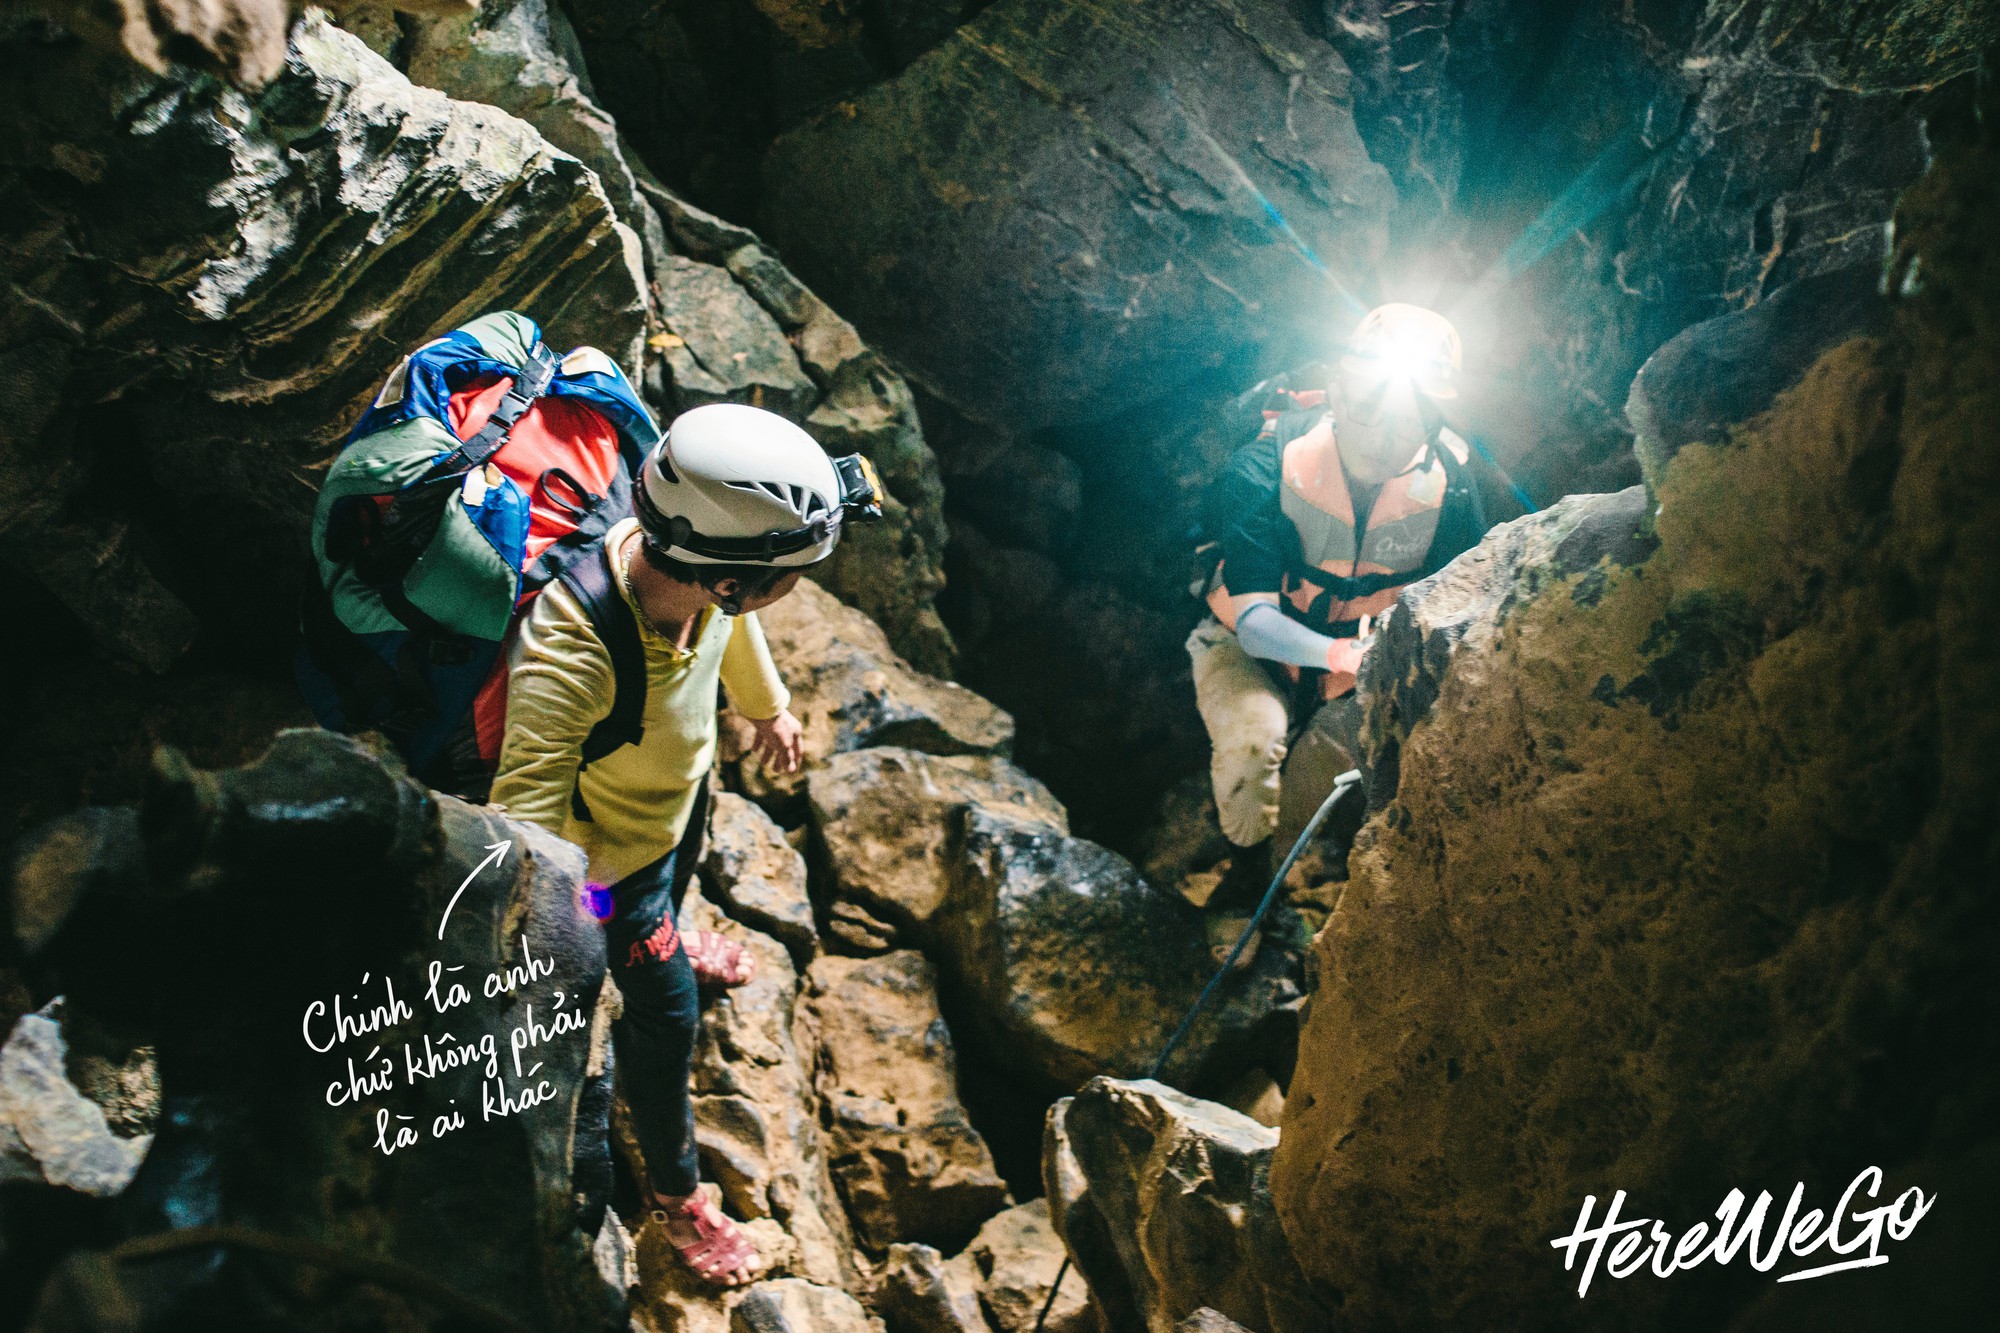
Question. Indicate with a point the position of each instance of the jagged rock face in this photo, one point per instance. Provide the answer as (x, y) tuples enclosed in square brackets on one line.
[(218, 282), (1163, 1202), (206, 922), (909, 1164), (1686, 869), (850, 690), (1044, 214)]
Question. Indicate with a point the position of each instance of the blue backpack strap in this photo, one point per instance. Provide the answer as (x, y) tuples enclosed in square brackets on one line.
[(594, 585)]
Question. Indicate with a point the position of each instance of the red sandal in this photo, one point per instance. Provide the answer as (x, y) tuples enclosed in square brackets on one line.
[(719, 1248), (718, 960)]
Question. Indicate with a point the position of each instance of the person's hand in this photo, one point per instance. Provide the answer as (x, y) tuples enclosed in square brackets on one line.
[(1343, 656), (780, 742)]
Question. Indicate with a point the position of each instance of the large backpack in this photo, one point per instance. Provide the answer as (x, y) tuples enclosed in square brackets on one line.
[(485, 469)]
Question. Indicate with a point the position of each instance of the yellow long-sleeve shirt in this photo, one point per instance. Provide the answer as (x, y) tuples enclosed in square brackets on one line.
[(638, 796)]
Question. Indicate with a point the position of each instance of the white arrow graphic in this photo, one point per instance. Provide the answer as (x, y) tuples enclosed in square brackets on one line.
[(499, 850)]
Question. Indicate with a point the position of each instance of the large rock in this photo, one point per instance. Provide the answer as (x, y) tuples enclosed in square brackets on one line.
[(1114, 154), (789, 1305), (1070, 965), (1687, 866), (883, 817), (1164, 1204), (757, 877), (851, 690), (1017, 1255), (50, 1132), (215, 284), (242, 897), (923, 1292), (908, 1162)]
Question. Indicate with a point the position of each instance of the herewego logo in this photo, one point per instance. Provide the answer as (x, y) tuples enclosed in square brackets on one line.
[(1847, 1231)]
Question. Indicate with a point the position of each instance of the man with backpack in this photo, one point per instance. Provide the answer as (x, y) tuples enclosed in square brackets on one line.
[(480, 519), (1316, 527), (731, 508)]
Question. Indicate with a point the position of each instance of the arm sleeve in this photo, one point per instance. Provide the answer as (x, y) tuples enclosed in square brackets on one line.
[(749, 675), (1266, 632), (560, 686), (1245, 516)]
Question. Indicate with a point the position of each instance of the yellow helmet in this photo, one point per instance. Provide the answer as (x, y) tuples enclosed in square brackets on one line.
[(1400, 341)]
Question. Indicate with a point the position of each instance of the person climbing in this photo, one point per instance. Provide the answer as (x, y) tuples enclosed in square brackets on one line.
[(1315, 528), (731, 507)]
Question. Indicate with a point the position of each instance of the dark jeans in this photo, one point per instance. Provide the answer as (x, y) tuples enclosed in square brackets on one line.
[(653, 1044)]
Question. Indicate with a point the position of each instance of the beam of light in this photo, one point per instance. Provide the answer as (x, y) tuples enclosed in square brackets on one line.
[(1601, 184), (1272, 214)]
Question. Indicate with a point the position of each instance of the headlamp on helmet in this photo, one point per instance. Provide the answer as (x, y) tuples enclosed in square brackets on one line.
[(1398, 344)]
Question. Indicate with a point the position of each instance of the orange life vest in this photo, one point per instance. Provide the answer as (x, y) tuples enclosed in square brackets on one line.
[(1347, 570)]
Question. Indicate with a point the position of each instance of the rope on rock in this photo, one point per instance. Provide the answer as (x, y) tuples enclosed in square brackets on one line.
[(1340, 786)]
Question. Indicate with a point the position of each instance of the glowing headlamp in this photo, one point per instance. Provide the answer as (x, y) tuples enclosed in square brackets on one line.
[(1405, 344)]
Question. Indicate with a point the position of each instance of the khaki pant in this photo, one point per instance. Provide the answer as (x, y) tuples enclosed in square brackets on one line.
[(1259, 793)]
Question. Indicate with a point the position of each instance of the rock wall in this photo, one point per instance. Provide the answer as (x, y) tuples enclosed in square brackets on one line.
[(1680, 883), (214, 284)]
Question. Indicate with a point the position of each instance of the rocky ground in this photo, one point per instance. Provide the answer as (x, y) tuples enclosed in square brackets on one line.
[(1676, 876)]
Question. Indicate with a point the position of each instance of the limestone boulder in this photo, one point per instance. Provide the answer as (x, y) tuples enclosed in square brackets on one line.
[(789, 1305), (755, 876), (1163, 1201), (1070, 965), (923, 1292), (882, 817), (760, 335), (851, 690), (51, 1133), (1682, 873), (1016, 1256), (908, 1162)]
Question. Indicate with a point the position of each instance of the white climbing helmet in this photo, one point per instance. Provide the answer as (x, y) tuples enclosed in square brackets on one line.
[(735, 485)]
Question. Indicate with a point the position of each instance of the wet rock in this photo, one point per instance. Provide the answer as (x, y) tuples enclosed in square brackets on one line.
[(1730, 803), (916, 206), (1071, 965), (1016, 1255), (50, 1132), (922, 1292), (258, 263), (789, 1305), (756, 877), (883, 817), (850, 690), (1164, 1204), (908, 1162)]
